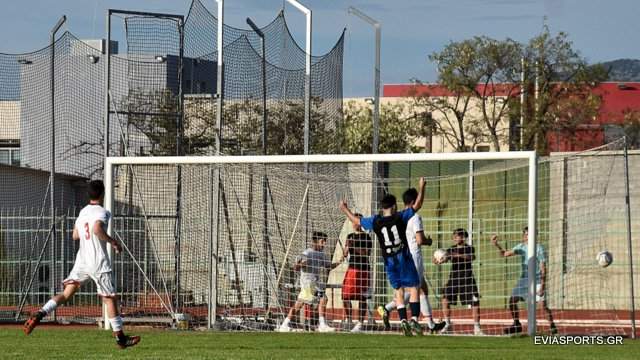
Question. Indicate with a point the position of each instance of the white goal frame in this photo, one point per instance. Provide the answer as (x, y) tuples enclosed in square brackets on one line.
[(356, 158)]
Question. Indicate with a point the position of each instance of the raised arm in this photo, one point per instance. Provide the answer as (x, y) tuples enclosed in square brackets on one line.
[(103, 236), (345, 209), (418, 204), (503, 252)]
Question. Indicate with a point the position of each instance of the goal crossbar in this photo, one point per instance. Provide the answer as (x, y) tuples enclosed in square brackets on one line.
[(297, 159)]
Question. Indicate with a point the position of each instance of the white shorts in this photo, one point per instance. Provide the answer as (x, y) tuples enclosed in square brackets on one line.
[(103, 281), (417, 259), (311, 292)]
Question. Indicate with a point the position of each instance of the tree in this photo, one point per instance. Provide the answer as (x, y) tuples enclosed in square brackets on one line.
[(565, 99), (398, 129), (485, 71), (480, 74), (631, 127)]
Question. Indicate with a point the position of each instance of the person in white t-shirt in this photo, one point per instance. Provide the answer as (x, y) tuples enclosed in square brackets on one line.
[(415, 239), (92, 263)]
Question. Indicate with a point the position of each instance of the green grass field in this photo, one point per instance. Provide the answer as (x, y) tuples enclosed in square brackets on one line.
[(89, 343)]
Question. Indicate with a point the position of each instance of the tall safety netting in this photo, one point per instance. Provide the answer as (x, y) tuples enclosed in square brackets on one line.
[(163, 80), (251, 240)]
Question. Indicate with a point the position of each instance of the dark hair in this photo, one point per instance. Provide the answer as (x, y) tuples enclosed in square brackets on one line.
[(317, 236), (388, 201), (410, 196), (462, 232), (526, 229), (95, 190)]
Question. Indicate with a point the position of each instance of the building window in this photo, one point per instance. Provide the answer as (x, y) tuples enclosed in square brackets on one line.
[(10, 156), (483, 148), (15, 157), (5, 156)]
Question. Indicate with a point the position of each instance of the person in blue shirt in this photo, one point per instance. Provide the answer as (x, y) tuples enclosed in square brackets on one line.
[(519, 292), (390, 229)]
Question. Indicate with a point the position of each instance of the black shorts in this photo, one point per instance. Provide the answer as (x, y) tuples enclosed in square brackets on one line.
[(464, 289)]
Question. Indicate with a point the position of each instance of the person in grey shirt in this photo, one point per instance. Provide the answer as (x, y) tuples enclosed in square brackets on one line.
[(312, 264)]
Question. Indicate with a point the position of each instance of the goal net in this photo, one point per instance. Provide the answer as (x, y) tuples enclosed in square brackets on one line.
[(235, 243)]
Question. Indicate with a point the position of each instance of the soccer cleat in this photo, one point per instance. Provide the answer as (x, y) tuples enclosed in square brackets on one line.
[(516, 328), (127, 341), (415, 326), (324, 328), (357, 328), (33, 321), (284, 328), (384, 313), (406, 328), (437, 327), (446, 329)]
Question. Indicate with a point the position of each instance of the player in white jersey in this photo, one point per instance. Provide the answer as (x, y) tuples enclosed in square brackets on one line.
[(415, 239), (92, 263)]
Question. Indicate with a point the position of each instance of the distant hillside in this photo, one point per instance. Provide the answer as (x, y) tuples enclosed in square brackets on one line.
[(623, 69)]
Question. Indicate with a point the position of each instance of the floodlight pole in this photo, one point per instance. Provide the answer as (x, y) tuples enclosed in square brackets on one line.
[(307, 75), (376, 76), (215, 191), (265, 223), (523, 94), (307, 95), (52, 42), (629, 243), (532, 262), (220, 77), (107, 82)]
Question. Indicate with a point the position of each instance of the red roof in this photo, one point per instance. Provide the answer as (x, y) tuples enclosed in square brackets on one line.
[(617, 97)]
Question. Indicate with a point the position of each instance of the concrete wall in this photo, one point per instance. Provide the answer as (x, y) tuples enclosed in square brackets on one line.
[(439, 142), (26, 188), (587, 194)]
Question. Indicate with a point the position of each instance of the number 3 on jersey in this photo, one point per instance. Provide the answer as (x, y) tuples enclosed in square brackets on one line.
[(87, 235), (396, 237)]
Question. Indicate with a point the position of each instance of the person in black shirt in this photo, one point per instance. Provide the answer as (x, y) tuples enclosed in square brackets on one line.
[(355, 285), (390, 229), (461, 284)]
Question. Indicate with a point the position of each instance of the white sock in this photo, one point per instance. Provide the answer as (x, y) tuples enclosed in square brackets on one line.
[(448, 321), (116, 323), (322, 321), (49, 306), (286, 322), (476, 324), (391, 305), (425, 306)]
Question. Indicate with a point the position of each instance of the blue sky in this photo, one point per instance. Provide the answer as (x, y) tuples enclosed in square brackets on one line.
[(411, 29)]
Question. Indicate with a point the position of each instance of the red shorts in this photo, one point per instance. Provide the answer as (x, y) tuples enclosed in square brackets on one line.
[(355, 284)]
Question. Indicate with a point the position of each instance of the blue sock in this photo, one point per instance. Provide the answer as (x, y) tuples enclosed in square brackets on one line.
[(402, 312), (415, 310)]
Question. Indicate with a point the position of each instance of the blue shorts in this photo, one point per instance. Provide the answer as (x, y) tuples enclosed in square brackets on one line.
[(401, 270)]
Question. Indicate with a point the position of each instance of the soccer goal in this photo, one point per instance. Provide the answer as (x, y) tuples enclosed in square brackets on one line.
[(236, 243)]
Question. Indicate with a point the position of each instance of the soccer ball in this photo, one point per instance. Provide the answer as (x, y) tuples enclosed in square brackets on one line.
[(439, 256), (604, 258)]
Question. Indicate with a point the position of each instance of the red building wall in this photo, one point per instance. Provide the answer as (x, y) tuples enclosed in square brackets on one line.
[(617, 99)]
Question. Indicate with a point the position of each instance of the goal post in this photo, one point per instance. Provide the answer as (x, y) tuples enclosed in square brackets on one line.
[(527, 160)]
